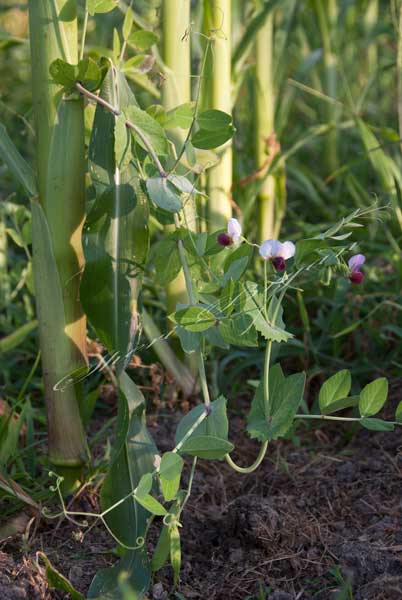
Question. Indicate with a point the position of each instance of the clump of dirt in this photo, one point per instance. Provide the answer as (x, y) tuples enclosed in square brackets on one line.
[(313, 521)]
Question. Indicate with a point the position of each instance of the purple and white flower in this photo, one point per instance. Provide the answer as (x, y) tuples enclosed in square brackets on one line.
[(233, 235), (354, 264), (277, 252)]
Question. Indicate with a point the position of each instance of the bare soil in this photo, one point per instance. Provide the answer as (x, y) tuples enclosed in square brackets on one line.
[(321, 520)]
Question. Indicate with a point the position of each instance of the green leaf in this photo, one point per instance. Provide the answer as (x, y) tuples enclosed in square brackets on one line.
[(205, 139), (341, 404), (194, 318), (286, 395), (162, 550), (14, 339), (235, 270), (238, 330), (116, 238), (215, 424), (122, 143), (144, 486), (181, 116), (166, 260), (333, 389), (106, 584), (142, 40), (128, 23), (57, 581), (63, 73), (101, 6), (207, 446), (18, 167), (398, 412), (213, 119), (190, 340), (150, 128), (89, 74), (164, 194), (170, 474), (252, 298), (376, 424), (373, 397), (152, 505)]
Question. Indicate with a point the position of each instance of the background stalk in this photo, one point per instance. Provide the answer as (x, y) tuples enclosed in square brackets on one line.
[(60, 214), (217, 24), (175, 91), (265, 128)]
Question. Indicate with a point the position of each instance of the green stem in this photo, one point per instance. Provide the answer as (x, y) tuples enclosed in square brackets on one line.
[(84, 33)]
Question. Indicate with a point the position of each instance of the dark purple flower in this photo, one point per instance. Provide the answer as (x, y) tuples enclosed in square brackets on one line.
[(279, 263), (224, 239)]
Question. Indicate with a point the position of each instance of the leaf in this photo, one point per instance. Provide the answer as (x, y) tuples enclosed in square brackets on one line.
[(150, 128), (57, 581), (152, 505), (285, 397), (333, 389), (100, 6), (213, 119), (133, 456), (128, 23), (205, 139), (252, 299), (341, 404), (144, 486), (166, 260), (194, 318), (122, 143), (398, 412), (63, 73), (164, 194), (14, 339), (235, 270), (373, 397), (190, 340), (116, 238), (238, 330), (18, 167), (376, 424), (170, 474), (90, 75), (182, 116), (142, 40), (11, 487), (161, 553), (207, 446), (215, 424)]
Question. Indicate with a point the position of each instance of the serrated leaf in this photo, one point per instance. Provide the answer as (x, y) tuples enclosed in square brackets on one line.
[(253, 306), (373, 397), (164, 194), (194, 318), (333, 389), (238, 330)]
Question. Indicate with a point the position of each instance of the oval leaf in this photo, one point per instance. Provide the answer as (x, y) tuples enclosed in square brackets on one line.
[(373, 397)]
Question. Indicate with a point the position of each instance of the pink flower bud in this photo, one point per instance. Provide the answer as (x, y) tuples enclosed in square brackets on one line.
[(356, 277)]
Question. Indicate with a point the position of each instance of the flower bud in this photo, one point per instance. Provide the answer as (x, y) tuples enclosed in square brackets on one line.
[(356, 277), (224, 239), (279, 263)]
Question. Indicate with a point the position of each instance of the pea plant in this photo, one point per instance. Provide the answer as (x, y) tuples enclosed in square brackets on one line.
[(106, 169)]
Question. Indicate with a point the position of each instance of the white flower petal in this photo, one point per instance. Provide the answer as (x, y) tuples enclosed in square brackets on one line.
[(269, 249), (287, 250), (234, 229)]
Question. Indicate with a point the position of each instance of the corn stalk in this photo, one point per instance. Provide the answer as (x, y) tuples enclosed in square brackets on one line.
[(217, 25), (58, 216), (177, 90)]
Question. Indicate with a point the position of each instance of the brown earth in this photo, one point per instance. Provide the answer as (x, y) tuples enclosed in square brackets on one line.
[(321, 520)]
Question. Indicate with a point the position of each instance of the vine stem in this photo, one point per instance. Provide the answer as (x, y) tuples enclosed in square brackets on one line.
[(191, 297)]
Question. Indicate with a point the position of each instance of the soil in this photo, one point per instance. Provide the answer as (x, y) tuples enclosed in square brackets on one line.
[(321, 519)]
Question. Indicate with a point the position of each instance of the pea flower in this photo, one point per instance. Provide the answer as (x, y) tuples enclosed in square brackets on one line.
[(277, 252), (233, 234), (354, 263)]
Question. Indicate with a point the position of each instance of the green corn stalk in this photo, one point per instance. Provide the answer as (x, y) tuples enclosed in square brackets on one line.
[(218, 95), (177, 90), (57, 217), (265, 127), (326, 14)]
